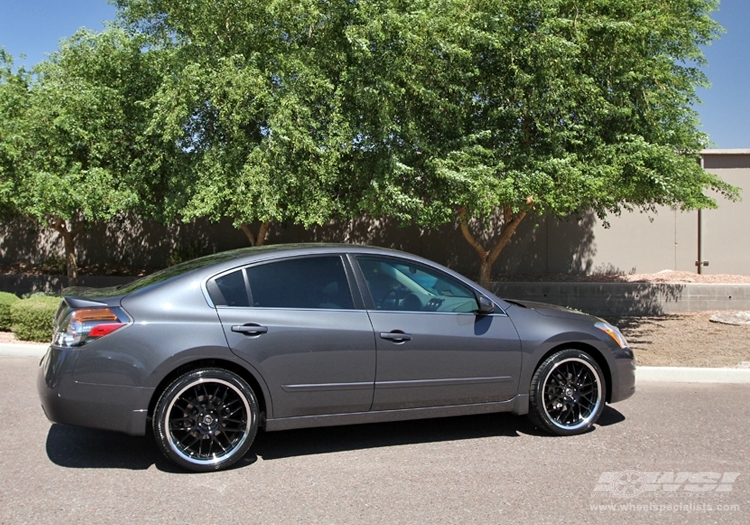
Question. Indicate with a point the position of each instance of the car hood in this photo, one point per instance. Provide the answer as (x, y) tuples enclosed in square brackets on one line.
[(553, 310)]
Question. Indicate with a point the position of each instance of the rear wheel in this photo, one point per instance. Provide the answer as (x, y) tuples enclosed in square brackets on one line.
[(567, 393), (206, 419)]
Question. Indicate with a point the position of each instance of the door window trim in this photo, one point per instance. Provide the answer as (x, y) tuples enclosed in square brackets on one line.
[(354, 289), (369, 301)]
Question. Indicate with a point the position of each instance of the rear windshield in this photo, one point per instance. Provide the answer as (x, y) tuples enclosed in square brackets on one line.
[(156, 277)]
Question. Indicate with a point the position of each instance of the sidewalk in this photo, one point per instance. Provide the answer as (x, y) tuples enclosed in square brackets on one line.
[(22, 350), (663, 374)]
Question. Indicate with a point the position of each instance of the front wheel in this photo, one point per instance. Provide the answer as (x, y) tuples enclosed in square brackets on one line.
[(567, 393), (206, 419)]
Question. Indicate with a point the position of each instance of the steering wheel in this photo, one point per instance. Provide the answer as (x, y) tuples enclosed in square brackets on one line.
[(392, 294)]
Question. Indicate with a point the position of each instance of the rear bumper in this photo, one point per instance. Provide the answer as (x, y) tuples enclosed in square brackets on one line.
[(107, 407)]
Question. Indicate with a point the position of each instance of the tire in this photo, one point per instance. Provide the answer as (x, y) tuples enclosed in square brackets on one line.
[(567, 393), (206, 420)]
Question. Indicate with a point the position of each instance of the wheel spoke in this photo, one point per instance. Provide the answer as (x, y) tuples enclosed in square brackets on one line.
[(215, 439), (185, 406), (193, 442)]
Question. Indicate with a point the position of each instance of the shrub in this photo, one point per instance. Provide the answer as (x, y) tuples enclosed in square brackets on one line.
[(6, 300), (32, 318)]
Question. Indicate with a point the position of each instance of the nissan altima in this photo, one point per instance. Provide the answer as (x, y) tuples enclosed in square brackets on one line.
[(206, 353)]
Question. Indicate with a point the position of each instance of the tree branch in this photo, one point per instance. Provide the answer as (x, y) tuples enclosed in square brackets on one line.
[(78, 229), (248, 233), (509, 229), (464, 224), (256, 240), (262, 232)]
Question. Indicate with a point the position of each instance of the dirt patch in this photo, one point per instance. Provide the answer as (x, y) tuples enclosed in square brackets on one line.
[(687, 339), (8, 337)]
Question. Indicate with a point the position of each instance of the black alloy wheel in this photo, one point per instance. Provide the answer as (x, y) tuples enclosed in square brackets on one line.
[(206, 420), (567, 393)]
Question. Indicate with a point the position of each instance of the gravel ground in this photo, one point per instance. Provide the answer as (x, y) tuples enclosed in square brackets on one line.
[(8, 337), (688, 339)]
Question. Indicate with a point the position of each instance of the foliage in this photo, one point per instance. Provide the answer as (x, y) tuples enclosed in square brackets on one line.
[(560, 107), (434, 111), (425, 111), (253, 99), (192, 251), (6, 301), (82, 151), (13, 96), (32, 318)]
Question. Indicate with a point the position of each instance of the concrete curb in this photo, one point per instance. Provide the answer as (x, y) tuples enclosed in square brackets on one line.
[(643, 374), (22, 350), (679, 374)]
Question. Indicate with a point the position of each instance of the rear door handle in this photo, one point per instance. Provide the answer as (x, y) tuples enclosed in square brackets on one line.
[(396, 337), (249, 329)]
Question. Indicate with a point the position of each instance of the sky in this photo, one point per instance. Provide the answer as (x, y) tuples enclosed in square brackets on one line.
[(35, 27)]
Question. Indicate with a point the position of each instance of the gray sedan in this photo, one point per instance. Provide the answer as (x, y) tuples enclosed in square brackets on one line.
[(205, 353)]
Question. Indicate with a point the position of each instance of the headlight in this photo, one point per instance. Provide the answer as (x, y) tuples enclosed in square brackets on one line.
[(613, 332)]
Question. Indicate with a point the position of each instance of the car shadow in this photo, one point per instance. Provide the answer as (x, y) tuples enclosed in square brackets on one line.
[(323, 440), (74, 447), (610, 416)]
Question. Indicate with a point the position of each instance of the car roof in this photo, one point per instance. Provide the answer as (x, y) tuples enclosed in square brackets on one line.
[(209, 265)]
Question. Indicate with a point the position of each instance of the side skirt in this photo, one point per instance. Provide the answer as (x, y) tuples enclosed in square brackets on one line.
[(357, 418)]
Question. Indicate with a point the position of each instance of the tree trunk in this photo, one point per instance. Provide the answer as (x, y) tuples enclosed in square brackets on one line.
[(69, 237), (260, 238), (488, 257)]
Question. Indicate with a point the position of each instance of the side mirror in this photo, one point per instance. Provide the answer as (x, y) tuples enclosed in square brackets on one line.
[(486, 306)]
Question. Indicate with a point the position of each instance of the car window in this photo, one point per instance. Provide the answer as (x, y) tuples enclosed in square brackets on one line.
[(400, 285), (310, 282), (231, 288)]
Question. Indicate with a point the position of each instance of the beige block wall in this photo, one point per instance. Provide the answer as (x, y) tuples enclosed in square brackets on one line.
[(726, 230), (642, 243)]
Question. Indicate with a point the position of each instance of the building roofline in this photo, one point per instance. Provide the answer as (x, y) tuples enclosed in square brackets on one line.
[(719, 151)]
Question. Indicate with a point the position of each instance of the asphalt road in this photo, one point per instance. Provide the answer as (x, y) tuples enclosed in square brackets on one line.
[(674, 453)]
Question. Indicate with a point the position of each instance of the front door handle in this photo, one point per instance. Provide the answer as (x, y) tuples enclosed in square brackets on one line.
[(395, 336), (249, 329)]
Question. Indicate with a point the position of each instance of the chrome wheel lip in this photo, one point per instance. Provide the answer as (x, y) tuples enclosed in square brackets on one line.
[(585, 421), (214, 458)]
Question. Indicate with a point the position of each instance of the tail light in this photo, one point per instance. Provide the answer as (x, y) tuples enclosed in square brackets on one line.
[(79, 327)]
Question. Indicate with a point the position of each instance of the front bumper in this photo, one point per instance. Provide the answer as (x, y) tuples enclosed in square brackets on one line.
[(69, 402), (623, 375)]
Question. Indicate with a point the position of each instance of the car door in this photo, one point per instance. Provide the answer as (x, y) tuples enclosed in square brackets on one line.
[(295, 321), (432, 348)]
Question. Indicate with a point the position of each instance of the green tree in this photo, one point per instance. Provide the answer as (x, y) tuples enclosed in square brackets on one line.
[(81, 150), (13, 101), (519, 107), (253, 101), (433, 111)]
